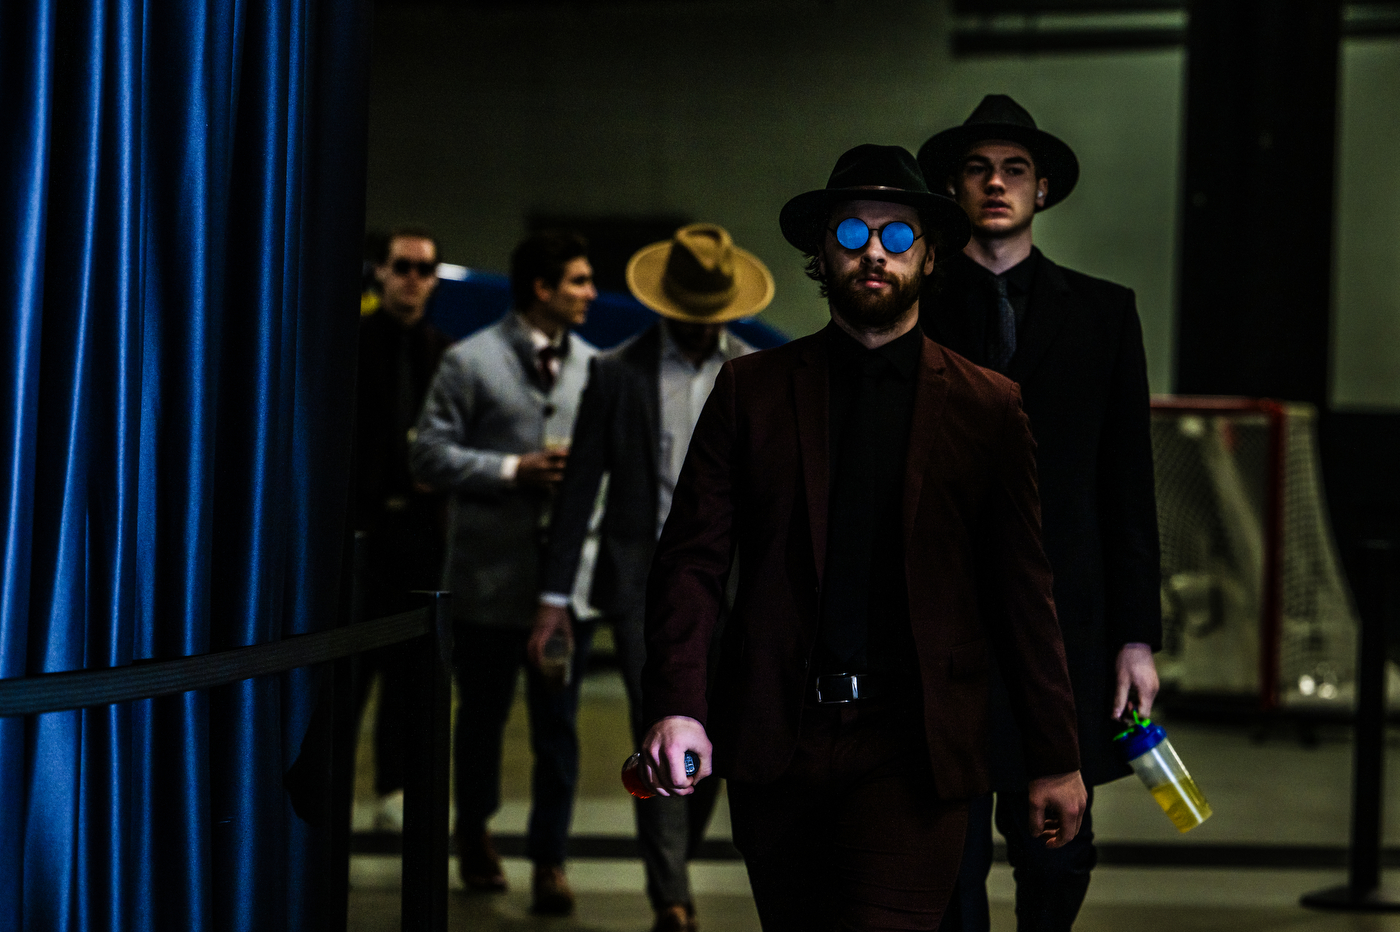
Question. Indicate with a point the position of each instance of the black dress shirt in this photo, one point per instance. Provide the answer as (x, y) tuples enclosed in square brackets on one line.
[(982, 301), (396, 366), (864, 624)]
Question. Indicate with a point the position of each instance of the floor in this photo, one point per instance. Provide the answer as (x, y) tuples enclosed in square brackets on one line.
[(1280, 829)]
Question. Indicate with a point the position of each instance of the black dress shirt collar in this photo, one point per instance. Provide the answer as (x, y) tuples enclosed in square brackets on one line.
[(902, 353), (1019, 278)]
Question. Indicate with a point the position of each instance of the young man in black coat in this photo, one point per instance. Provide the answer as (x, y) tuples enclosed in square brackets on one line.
[(1074, 343)]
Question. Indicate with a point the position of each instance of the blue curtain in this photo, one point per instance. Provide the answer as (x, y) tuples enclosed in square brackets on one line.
[(181, 206)]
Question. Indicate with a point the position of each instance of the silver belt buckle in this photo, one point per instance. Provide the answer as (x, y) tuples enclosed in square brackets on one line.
[(850, 677)]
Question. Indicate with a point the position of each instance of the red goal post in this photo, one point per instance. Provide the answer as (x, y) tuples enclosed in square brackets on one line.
[(1245, 537)]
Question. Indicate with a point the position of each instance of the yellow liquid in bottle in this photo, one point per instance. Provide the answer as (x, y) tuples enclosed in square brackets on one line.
[(1183, 803)]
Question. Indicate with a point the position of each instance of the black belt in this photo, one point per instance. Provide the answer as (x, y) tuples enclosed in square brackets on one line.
[(834, 688)]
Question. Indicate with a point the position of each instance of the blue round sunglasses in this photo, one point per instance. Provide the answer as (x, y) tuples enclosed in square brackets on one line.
[(896, 236)]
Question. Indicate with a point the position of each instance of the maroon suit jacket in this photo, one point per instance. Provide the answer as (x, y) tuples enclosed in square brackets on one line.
[(755, 481)]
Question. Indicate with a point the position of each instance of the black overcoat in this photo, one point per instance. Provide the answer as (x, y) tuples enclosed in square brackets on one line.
[(381, 446), (616, 434), (406, 526), (1083, 377)]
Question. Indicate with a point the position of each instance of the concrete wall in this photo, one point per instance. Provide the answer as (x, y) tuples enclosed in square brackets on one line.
[(723, 110), (1366, 284)]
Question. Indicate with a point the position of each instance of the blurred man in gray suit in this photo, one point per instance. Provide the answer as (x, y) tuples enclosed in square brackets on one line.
[(494, 432), (634, 426)]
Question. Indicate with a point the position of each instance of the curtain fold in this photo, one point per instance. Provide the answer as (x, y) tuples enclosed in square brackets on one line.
[(182, 207)]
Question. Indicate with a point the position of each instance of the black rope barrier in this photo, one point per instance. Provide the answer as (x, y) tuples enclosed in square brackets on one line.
[(425, 632), (148, 679)]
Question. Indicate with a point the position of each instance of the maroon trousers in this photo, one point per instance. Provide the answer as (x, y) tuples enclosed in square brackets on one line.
[(852, 836)]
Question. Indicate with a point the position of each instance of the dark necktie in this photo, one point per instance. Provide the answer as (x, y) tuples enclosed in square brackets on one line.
[(1003, 345), (546, 356)]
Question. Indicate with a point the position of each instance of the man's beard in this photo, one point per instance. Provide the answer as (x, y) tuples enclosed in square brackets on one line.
[(867, 310)]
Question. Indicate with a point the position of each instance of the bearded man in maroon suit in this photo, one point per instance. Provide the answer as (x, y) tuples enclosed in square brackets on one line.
[(876, 494)]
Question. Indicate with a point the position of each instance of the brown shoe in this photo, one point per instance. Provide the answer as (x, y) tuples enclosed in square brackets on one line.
[(675, 918), (552, 894), (479, 865)]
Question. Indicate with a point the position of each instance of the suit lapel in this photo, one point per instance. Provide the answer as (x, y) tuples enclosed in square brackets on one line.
[(956, 321), (644, 358), (810, 390), (517, 336), (929, 396), (1045, 315)]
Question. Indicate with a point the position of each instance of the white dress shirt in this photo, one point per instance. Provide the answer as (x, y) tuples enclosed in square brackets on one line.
[(684, 388)]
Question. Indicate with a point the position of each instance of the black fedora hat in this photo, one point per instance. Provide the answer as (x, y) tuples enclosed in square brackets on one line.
[(1000, 117), (875, 173)]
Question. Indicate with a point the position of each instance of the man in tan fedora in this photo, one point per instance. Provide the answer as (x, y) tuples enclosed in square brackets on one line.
[(634, 425)]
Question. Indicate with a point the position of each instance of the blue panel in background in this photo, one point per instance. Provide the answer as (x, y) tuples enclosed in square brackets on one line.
[(460, 308)]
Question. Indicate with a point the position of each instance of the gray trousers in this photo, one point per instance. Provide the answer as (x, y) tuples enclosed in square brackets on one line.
[(669, 828)]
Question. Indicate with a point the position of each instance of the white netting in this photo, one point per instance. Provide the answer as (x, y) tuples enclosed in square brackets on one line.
[(1212, 495)]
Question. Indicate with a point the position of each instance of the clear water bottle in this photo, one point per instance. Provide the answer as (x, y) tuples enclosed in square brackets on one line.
[(1145, 746)]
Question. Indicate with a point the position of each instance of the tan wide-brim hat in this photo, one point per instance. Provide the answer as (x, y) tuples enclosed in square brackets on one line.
[(700, 277)]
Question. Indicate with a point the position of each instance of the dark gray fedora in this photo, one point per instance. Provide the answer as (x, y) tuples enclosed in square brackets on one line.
[(875, 173), (1000, 117)]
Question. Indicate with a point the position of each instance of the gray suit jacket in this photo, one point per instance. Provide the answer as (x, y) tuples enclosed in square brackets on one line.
[(617, 434), (486, 402)]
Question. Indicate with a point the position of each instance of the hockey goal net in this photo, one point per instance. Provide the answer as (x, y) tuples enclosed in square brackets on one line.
[(1254, 601)]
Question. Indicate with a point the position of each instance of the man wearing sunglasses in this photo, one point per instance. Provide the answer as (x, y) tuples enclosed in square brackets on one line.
[(495, 431), (399, 351), (878, 494), (1074, 344)]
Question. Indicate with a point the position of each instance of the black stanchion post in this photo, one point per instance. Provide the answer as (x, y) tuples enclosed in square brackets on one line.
[(441, 749), (426, 774), (343, 732), (1364, 891), (1364, 874)]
